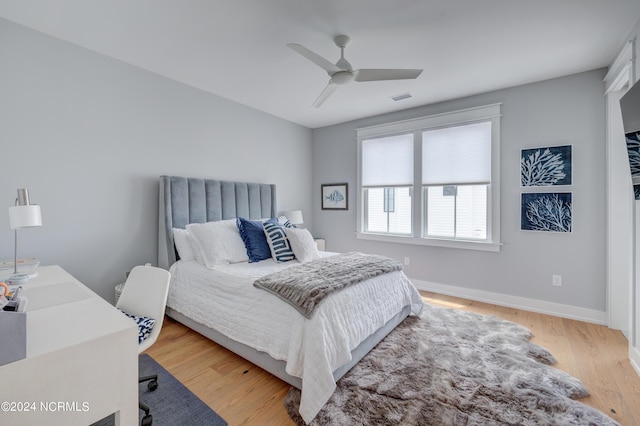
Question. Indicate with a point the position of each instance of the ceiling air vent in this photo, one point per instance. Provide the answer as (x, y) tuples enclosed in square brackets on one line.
[(401, 96)]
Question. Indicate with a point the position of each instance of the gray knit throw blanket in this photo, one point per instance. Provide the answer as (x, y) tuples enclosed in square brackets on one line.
[(308, 284)]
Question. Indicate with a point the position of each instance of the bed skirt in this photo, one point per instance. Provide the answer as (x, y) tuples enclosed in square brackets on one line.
[(277, 367)]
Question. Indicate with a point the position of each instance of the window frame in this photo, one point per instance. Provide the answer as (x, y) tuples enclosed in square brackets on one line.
[(416, 126), (365, 200)]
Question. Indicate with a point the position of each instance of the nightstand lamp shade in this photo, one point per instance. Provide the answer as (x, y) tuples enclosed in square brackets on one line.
[(22, 215), (294, 216)]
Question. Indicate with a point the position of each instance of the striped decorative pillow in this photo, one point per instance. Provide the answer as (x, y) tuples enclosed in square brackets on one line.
[(278, 242)]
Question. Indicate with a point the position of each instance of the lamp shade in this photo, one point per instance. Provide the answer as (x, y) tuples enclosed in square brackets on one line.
[(24, 216), (294, 216)]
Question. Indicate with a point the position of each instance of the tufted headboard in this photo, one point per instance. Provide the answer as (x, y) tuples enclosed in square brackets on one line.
[(192, 200)]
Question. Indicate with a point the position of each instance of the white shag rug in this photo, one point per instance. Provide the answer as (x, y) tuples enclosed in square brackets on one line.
[(452, 367)]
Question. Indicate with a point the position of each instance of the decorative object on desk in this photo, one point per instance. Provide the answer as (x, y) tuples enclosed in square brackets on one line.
[(173, 403), (15, 303), (22, 215), (294, 216), (335, 196), (450, 367)]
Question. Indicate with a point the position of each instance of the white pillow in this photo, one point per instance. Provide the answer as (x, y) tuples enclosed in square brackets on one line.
[(220, 242), (182, 240), (302, 243), (282, 220)]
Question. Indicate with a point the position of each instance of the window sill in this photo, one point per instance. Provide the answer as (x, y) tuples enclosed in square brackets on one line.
[(434, 242)]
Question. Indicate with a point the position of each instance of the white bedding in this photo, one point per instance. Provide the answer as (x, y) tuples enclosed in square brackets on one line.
[(224, 299)]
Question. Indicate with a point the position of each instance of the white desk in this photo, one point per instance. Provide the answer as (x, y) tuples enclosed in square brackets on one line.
[(82, 358)]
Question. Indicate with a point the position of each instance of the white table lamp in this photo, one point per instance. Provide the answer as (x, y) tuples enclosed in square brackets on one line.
[(294, 216), (22, 215)]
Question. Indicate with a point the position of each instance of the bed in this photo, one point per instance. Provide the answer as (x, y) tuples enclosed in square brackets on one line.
[(221, 303)]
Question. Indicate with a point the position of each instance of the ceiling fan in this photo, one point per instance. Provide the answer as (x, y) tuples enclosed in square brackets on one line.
[(342, 73)]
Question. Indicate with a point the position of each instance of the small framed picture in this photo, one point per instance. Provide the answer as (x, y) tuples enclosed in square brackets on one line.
[(335, 196)]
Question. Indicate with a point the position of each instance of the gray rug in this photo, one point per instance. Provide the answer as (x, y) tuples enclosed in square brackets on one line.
[(172, 404), (452, 367)]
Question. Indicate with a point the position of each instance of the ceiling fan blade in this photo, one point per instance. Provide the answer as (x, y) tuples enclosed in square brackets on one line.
[(385, 74), (328, 91), (315, 58)]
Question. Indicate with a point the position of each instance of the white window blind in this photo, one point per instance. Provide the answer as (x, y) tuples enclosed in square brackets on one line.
[(457, 155), (388, 161)]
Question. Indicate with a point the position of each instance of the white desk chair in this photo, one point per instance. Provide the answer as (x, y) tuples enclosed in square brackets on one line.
[(145, 295)]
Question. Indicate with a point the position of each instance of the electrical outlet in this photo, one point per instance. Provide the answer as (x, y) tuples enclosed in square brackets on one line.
[(556, 280), (407, 261)]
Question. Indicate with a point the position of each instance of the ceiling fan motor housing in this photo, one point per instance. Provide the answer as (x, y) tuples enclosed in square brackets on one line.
[(342, 40), (342, 77)]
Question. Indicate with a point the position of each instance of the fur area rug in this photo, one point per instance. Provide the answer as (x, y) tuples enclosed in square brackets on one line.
[(452, 367)]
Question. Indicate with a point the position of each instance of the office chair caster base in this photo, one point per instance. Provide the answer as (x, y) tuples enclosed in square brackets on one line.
[(152, 385), (146, 420)]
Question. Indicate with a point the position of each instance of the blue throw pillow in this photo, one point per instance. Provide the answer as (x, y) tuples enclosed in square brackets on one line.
[(277, 239), (255, 241)]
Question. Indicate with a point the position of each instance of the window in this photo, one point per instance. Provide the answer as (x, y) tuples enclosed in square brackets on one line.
[(456, 173), (432, 180), (387, 181)]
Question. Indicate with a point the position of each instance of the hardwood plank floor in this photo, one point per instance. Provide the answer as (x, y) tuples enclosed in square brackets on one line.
[(244, 394)]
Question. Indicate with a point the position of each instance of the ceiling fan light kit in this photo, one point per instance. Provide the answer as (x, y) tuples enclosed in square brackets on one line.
[(342, 72)]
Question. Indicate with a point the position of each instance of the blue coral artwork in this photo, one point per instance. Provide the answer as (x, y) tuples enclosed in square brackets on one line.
[(633, 150), (548, 166), (335, 196), (546, 211)]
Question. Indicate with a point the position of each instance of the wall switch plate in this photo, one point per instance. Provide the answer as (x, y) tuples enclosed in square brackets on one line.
[(556, 280), (407, 261)]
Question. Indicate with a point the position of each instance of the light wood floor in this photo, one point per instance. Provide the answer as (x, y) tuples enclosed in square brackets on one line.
[(244, 394)]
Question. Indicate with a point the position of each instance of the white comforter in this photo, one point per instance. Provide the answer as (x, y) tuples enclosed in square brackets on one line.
[(224, 299)]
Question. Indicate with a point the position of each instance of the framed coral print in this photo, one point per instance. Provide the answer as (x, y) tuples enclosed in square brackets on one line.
[(633, 151), (335, 196), (547, 166), (546, 211)]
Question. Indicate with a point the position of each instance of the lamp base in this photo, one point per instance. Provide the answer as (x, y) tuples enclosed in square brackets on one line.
[(21, 278)]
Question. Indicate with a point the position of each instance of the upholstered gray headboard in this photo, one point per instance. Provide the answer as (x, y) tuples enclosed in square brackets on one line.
[(192, 200)]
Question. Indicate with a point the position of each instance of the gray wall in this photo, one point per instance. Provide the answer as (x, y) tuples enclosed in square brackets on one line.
[(89, 136), (568, 110)]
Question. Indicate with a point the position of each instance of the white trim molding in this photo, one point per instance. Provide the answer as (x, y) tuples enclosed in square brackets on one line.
[(523, 303), (634, 357), (623, 69), (619, 204)]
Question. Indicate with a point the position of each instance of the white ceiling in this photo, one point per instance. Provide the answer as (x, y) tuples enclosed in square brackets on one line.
[(237, 49)]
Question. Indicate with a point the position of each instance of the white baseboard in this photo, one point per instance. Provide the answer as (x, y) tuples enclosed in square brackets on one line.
[(539, 306)]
